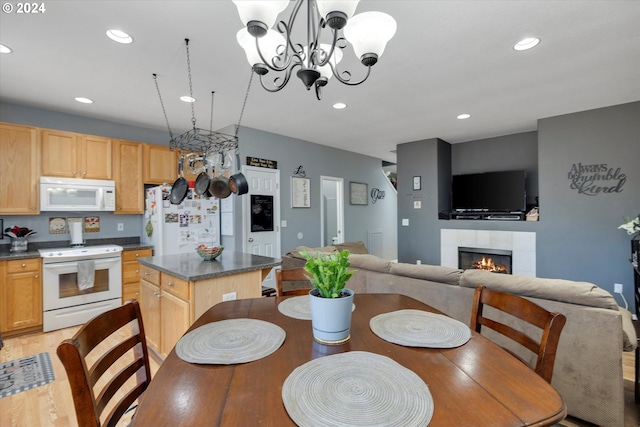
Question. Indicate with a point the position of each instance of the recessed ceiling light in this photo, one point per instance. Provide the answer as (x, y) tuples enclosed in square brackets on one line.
[(119, 36), (339, 105), (464, 116), (527, 43), (83, 100), (187, 98), (5, 49)]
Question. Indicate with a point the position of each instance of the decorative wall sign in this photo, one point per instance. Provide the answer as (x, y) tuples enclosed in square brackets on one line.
[(596, 179), (262, 163), (358, 193), (57, 225), (299, 172), (92, 224), (300, 192), (417, 183), (376, 194)]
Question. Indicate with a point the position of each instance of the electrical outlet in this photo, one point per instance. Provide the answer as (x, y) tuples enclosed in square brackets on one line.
[(229, 297), (617, 288), (120, 226)]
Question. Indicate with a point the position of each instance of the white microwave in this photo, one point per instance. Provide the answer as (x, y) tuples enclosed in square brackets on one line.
[(77, 195)]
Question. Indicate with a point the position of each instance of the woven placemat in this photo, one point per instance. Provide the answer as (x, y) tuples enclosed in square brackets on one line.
[(356, 389), (416, 328), (298, 307), (230, 341)]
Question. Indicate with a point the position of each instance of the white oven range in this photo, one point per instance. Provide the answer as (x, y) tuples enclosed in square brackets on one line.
[(67, 298)]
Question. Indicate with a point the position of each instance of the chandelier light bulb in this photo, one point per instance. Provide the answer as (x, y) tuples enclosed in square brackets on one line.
[(336, 12), (369, 33), (268, 45)]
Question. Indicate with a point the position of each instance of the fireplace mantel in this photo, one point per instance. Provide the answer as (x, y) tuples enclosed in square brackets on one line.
[(522, 245)]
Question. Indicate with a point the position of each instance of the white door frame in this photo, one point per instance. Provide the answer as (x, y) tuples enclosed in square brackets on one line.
[(339, 208)]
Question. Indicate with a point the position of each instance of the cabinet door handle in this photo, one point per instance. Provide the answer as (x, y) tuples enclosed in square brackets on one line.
[(137, 255), (170, 284), (23, 265), (36, 276), (137, 271), (84, 174), (146, 273)]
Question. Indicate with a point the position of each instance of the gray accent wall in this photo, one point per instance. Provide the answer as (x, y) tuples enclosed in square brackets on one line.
[(577, 236), (290, 153)]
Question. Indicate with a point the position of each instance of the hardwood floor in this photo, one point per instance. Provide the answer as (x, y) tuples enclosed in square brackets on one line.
[(52, 404)]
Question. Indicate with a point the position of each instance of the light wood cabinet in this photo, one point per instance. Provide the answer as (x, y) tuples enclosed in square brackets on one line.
[(127, 173), (19, 155), (166, 309), (20, 295), (160, 164), (73, 155), (131, 273)]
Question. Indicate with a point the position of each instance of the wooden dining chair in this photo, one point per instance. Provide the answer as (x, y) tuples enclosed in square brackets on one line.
[(103, 366), (550, 323), (292, 275)]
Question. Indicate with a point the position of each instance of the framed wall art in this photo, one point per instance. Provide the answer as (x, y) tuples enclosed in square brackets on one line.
[(358, 193), (300, 192), (417, 183)]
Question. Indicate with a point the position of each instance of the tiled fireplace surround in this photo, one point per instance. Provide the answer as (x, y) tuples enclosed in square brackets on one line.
[(521, 244)]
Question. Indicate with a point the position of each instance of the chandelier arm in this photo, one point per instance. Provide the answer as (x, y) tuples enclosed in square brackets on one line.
[(348, 82), (287, 76), (272, 64), (333, 46)]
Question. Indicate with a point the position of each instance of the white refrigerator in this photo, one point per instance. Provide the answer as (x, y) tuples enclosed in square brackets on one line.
[(174, 229)]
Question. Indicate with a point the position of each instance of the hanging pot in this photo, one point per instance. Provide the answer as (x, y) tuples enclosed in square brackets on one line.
[(180, 186), (238, 184), (219, 187), (202, 183)]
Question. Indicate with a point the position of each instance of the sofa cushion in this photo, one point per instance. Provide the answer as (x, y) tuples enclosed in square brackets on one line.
[(434, 273), (295, 253), (369, 262), (352, 247), (581, 293)]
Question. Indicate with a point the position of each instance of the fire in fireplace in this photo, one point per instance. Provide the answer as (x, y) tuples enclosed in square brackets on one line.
[(494, 260)]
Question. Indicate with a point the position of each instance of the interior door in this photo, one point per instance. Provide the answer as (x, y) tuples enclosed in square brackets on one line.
[(261, 215), (332, 210)]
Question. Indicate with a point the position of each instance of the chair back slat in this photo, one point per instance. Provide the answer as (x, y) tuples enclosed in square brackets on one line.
[(292, 275)]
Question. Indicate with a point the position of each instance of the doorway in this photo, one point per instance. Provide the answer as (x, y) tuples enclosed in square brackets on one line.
[(331, 210)]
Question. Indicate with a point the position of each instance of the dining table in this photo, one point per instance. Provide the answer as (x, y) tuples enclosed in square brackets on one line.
[(477, 383)]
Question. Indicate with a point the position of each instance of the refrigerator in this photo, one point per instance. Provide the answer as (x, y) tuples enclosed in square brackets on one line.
[(174, 229)]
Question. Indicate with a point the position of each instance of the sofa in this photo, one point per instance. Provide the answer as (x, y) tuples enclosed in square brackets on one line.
[(588, 367)]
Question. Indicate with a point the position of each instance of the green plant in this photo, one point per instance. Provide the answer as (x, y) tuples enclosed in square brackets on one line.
[(328, 273)]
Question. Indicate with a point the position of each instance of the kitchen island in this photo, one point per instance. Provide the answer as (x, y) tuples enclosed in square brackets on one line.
[(177, 289)]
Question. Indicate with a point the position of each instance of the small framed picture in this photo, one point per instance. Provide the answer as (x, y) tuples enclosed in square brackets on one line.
[(358, 193), (417, 183)]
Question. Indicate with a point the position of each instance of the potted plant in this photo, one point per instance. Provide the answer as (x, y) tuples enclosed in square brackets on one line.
[(331, 303)]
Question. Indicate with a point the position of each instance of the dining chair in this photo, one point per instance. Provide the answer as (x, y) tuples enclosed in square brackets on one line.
[(551, 324), (120, 369), (292, 275)]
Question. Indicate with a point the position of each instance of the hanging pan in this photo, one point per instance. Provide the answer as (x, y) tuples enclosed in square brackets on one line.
[(219, 187), (180, 186), (238, 184), (202, 182)]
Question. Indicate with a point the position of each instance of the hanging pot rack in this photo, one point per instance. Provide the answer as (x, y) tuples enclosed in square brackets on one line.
[(197, 139)]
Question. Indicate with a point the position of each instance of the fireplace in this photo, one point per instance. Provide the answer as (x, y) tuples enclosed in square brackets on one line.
[(494, 260)]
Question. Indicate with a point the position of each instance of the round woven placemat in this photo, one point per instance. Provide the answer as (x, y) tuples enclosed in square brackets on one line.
[(416, 328), (230, 341), (356, 389), (298, 307)]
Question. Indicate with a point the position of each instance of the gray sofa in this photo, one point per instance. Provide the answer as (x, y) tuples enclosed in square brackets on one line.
[(588, 367)]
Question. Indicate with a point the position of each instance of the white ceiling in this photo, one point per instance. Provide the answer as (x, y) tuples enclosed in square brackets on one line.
[(447, 58)]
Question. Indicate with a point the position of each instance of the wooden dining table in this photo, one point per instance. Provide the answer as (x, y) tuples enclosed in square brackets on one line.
[(476, 384)]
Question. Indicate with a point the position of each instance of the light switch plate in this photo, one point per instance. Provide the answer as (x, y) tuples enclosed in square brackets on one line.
[(405, 222), (417, 204)]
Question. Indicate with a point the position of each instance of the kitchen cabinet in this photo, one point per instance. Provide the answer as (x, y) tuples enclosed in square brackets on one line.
[(20, 150), (166, 309), (131, 273), (20, 296), (160, 164), (73, 155), (127, 173)]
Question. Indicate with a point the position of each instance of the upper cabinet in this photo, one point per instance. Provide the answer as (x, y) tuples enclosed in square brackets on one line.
[(72, 155), (19, 151), (160, 164), (127, 173)]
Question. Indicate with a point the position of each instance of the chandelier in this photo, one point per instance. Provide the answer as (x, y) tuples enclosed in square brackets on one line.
[(270, 50)]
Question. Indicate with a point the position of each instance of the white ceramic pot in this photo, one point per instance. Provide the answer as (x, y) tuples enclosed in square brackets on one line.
[(331, 317)]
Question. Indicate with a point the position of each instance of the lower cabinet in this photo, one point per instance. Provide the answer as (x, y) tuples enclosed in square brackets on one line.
[(131, 273), (166, 309), (20, 295)]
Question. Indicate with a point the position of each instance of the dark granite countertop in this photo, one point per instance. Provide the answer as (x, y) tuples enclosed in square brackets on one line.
[(192, 267)]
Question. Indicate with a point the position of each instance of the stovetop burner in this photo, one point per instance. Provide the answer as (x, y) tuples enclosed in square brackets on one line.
[(87, 252)]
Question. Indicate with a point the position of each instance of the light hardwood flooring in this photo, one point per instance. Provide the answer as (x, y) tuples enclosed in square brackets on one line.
[(52, 404)]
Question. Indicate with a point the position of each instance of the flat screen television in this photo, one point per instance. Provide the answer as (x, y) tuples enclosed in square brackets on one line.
[(490, 191)]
